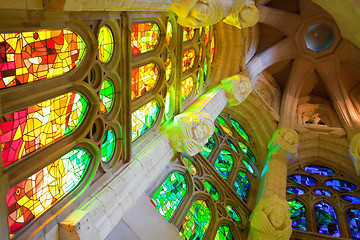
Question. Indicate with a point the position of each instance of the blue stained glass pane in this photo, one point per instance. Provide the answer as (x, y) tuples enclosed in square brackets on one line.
[(240, 129), (353, 218), (319, 170), (350, 198), (242, 185), (297, 215), (224, 163), (209, 146), (326, 221), (295, 190), (302, 179), (322, 192), (340, 185)]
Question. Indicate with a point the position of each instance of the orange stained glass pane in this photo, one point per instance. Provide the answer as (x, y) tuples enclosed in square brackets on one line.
[(144, 37), (187, 86), (188, 59), (189, 33), (212, 49), (169, 33), (143, 79), (27, 57), (207, 33), (168, 68)]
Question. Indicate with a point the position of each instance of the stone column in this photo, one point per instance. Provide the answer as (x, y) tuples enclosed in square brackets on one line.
[(271, 217), (354, 151)]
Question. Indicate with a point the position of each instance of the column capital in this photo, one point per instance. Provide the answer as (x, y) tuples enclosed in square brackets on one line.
[(190, 131), (354, 151), (270, 220), (237, 88), (242, 15), (287, 140)]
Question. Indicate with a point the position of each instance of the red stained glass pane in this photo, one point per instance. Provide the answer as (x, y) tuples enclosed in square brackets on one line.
[(188, 59), (144, 37), (143, 79)]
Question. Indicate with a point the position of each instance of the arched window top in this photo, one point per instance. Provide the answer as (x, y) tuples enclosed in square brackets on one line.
[(35, 127), (302, 179), (212, 190), (353, 216), (108, 145), (242, 185), (224, 233), (145, 37), (190, 165), (295, 190), (32, 197), (297, 215), (233, 214), (240, 130), (144, 118), (144, 79), (340, 185), (105, 44), (27, 57), (170, 194), (224, 163), (319, 170), (326, 220)]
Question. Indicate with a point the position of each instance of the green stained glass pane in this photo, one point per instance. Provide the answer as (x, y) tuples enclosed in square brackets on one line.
[(196, 221), (190, 165), (144, 37), (205, 69), (223, 163), (187, 86), (232, 145), (224, 233), (242, 185), (248, 166), (105, 44), (240, 130), (212, 190), (209, 146), (297, 215), (224, 125), (168, 68), (189, 33), (217, 130), (169, 33), (143, 118), (247, 151), (108, 145), (170, 194), (233, 214), (107, 94)]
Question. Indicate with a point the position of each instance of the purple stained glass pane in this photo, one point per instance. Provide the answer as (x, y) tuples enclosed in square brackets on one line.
[(295, 190), (350, 198), (340, 185), (322, 192), (326, 221), (319, 170), (302, 179), (353, 218)]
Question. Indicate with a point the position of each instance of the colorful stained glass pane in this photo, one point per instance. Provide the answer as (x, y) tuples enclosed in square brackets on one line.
[(247, 151), (350, 198), (248, 166), (353, 217), (223, 163), (233, 214), (224, 233), (212, 190), (168, 103), (232, 145), (168, 68), (105, 44), (322, 192), (205, 69), (240, 130), (27, 57), (199, 83), (340, 185), (242, 185), (144, 37), (224, 125), (297, 215), (107, 95), (217, 130), (143, 118), (302, 179), (190, 165), (200, 54), (37, 126), (187, 87), (212, 49), (188, 34), (108, 145), (319, 170), (295, 190), (188, 59), (196, 221), (209, 146), (207, 33), (170, 194), (33, 196), (169, 33), (326, 221), (143, 79)]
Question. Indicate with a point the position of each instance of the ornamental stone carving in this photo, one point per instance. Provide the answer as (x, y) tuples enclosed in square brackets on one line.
[(270, 220), (190, 131), (287, 140), (237, 88), (244, 14), (355, 152)]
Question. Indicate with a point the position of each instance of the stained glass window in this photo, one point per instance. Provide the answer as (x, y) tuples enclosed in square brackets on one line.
[(232, 145), (196, 221), (224, 233), (33, 196), (108, 145), (297, 215), (189, 33), (143, 118), (169, 33), (353, 216), (168, 103), (295, 190), (326, 221), (302, 179), (187, 86), (205, 69), (207, 33), (223, 163), (107, 95), (32, 56), (233, 214), (190, 165), (212, 49), (340, 185), (322, 192), (217, 130), (188, 59), (209, 146), (212, 190), (240, 129), (105, 44), (170, 194), (143, 79), (168, 68), (247, 151), (242, 185), (37, 126), (144, 37), (224, 125), (350, 198), (319, 170)]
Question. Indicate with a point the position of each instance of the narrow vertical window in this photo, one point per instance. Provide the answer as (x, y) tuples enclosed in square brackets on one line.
[(297, 215), (223, 163), (353, 217), (187, 87), (105, 44), (242, 185), (144, 118)]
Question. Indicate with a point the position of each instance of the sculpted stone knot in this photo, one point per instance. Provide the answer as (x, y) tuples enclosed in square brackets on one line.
[(190, 131), (237, 88), (287, 139), (243, 15), (354, 151)]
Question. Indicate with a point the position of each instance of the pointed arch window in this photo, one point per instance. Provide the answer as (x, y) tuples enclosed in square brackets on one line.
[(326, 220), (224, 233), (353, 216), (297, 215), (242, 185), (224, 163)]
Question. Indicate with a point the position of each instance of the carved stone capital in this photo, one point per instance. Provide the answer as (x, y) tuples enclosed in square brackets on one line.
[(190, 131), (237, 88), (244, 14), (270, 220), (354, 151), (287, 140)]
